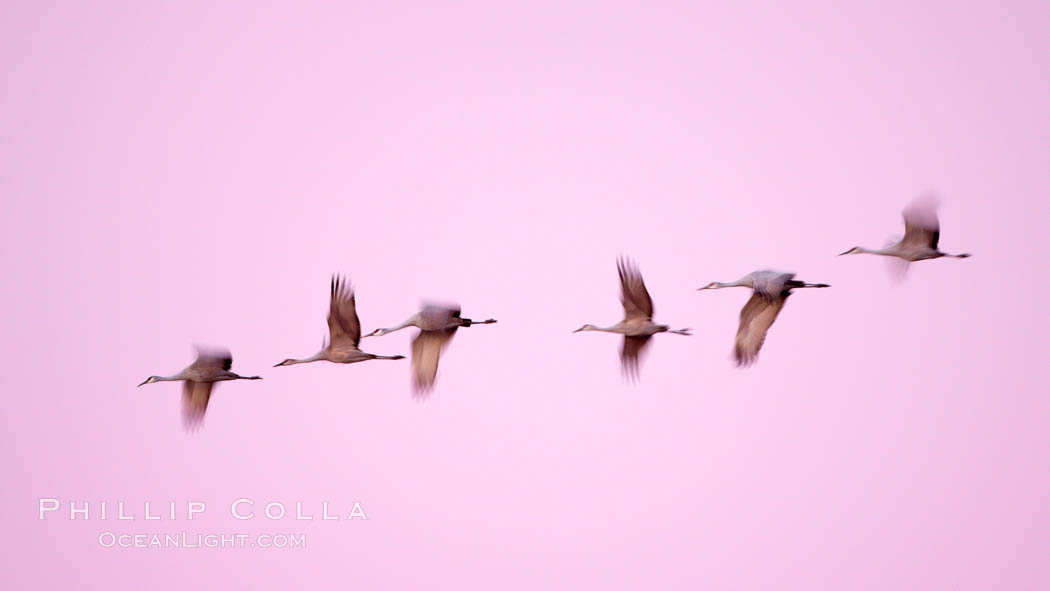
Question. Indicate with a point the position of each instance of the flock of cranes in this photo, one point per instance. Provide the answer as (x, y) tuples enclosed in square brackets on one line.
[(438, 323)]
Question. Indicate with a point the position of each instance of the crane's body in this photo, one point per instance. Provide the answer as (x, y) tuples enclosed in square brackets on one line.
[(433, 317), (635, 327)]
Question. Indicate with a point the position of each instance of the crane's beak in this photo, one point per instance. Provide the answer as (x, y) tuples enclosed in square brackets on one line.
[(143, 383), (578, 330), (847, 252)]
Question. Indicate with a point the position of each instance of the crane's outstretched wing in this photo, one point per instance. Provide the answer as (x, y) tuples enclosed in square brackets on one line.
[(195, 396), (426, 351), (896, 267), (211, 362), (921, 227), (631, 354), (343, 326), (757, 315), (633, 295), (437, 316)]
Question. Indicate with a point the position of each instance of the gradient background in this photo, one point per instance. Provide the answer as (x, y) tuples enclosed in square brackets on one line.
[(180, 173)]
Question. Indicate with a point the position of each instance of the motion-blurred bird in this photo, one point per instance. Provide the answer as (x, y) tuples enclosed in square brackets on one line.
[(437, 324), (344, 331), (197, 382), (637, 325), (770, 290), (921, 235)]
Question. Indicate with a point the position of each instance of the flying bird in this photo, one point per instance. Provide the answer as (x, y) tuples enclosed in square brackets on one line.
[(637, 325), (197, 382), (344, 331), (770, 290), (437, 324), (922, 232)]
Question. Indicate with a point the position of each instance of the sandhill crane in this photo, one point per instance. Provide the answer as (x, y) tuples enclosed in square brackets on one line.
[(921, 234), (437, 324), (344, 331), (770, 290), (197, 381), (637, 325)]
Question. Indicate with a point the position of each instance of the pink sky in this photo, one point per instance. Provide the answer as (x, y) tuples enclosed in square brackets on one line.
[(179, 173)]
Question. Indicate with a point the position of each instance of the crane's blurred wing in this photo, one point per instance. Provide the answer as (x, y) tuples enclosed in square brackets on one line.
[(631, 354), (921, 226), (195, 396), (211, 362), (437, 317), (757, 315), (633, 294), (896, 267), (426, 351), (343, 326)]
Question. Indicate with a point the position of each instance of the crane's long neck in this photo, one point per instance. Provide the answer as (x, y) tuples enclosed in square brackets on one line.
[(745, 281), (886, 252), (382, 331), (616, 328), (175, 378), (320, 356)]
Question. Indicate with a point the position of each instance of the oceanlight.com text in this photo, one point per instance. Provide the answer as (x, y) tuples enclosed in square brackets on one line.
[(186, 540)]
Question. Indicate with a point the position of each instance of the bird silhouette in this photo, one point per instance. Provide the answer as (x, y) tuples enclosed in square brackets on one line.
[(922, 233), (770, 290), (637, 326), (344, 331), (197, 382), (437, 325)]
